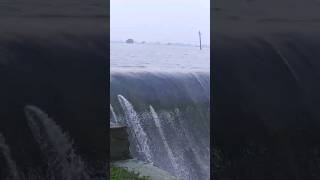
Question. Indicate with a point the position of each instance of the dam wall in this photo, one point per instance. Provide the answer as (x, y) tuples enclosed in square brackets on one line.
[(167, 117), (53, 73), (266, 105)]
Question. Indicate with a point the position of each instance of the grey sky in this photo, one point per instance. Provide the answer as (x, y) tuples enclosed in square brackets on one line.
[(160, 20)]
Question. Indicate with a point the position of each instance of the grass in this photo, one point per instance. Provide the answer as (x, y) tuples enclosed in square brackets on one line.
[(117, 173)]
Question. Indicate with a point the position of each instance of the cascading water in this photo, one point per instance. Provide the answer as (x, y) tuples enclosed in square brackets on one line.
[(57, 149), (266, 120), (136, 131), (62, 163), (114, 118), (168, 118), (11, 165), (165, 142)]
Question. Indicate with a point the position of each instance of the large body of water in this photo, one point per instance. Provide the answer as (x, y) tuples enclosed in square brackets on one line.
[(158, 57), (162, 93)]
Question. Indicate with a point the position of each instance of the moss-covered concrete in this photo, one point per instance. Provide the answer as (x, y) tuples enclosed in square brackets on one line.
[(119, 143)]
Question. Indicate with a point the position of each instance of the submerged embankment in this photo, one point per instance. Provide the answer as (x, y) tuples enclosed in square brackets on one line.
[(167, 117)]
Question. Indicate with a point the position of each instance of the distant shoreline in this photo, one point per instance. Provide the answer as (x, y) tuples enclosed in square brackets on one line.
[(166, 44)]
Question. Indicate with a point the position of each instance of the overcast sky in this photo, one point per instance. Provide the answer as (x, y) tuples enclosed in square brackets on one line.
[(160, 20)]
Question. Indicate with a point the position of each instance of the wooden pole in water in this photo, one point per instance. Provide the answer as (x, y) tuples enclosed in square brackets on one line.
[(200, 40)]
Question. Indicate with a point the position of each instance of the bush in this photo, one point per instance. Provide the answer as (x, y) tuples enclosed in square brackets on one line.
[(117, 173)]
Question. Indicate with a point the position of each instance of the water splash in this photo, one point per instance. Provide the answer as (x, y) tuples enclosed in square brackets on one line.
[(56, 146), (136, 129), (173, 111), (172, 157), (12, 167), (113, 116), (200, 155), (57, 149)]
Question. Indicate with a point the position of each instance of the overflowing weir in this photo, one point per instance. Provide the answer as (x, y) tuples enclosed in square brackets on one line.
[(266, 106), (61, 72), (167, 118), (57, 150)]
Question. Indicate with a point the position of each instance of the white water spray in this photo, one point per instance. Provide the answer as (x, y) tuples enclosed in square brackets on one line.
[(134, 125), (172, 158), (113, 117), (55, 145), (5, 151), (171, 111)]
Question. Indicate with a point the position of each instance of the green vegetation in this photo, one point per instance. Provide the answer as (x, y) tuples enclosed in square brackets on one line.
[(117, 173)]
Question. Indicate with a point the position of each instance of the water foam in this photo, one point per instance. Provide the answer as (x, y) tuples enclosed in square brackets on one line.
[(136, 129), (171, 111)]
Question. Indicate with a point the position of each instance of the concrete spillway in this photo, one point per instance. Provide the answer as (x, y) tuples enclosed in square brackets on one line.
[(266, 116), (266, 89), (167, 117), (55, 61)]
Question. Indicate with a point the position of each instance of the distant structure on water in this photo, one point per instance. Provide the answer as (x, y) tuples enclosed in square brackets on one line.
[(130, 41)]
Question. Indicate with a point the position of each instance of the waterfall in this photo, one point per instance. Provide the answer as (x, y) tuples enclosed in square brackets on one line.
[(55, 145), (113, 115), (61, 161), (172, 157), (168, 117), (136, 129), (12, 167)]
